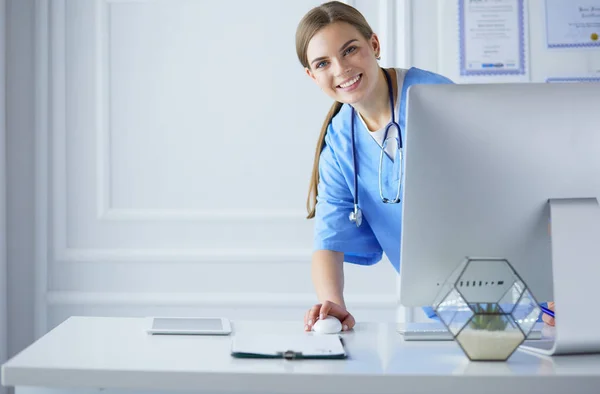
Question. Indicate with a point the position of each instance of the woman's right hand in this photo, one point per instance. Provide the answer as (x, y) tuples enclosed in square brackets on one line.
[(328, 308), (549, 320)]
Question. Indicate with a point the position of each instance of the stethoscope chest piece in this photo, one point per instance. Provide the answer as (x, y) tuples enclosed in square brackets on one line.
[(356, 216)]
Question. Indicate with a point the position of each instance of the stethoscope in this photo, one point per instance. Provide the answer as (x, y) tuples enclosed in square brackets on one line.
[(356, 215)]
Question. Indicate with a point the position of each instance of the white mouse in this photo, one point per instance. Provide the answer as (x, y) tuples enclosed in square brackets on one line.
[(329, 325)]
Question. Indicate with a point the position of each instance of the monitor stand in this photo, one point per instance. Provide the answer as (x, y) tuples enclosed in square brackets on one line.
[(575, 235)]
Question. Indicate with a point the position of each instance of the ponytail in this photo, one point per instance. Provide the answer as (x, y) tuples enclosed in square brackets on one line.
[(311, 201)]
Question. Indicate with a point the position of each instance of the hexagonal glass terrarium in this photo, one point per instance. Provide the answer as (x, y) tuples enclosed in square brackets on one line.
[(487, 307)]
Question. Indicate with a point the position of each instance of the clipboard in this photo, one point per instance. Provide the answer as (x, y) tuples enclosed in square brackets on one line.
[(289, 347)]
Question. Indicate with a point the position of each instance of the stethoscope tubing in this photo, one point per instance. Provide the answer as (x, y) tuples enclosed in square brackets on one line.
[(356, 215)]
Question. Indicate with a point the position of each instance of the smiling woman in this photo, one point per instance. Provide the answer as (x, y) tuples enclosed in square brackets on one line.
[(359, 151), (322, 49)]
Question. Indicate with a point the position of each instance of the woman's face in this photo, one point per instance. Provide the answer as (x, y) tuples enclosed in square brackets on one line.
[(343, 63)]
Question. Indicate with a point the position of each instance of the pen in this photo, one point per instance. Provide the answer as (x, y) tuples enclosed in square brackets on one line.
[(547, 311)]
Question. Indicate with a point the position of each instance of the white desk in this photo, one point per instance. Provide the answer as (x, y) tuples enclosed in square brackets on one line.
[(84, 354)]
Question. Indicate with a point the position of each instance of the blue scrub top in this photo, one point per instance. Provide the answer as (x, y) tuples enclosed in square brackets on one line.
[(381, 226)]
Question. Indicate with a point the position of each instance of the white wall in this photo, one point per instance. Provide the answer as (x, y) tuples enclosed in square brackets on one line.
[(114, 203), (162, 198), (435, 44), (68, 254)]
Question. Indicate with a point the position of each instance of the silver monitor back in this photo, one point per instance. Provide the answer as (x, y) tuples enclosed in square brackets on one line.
[(481, 162)]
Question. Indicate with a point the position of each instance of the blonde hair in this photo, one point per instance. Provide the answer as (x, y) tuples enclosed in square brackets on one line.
[(316, 19)]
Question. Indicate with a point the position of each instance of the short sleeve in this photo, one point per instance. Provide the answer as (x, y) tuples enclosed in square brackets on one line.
[(429, 77), (333, 229)]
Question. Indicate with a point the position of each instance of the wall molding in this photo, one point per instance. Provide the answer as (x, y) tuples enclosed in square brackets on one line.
[(128, 1), (234, 300), (204, 255), (404, 33), (51, 200), (56, 146), (52, 91), (43, 122), (104, 170), (387, 20), (106, 213)]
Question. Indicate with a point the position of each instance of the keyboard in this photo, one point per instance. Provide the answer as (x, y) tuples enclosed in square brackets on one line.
[(436, 331)]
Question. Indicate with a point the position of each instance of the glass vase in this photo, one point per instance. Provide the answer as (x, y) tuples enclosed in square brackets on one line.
[(487, 307)]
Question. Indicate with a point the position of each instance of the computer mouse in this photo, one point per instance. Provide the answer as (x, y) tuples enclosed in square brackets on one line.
[(329, 325)]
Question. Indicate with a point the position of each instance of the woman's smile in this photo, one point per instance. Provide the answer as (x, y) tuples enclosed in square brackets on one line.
[(350, 84)]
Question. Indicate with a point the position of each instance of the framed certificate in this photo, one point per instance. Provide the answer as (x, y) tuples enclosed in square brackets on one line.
[(492, 37), (572, 23)]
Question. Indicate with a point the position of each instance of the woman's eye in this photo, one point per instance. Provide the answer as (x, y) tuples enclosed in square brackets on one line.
[(322, 64), (349, 50)]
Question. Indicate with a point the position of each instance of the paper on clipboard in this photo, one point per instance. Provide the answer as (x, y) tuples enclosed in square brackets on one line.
[(288, 346)]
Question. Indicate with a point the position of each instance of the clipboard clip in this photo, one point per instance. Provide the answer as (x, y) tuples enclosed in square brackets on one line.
[(290, 355)]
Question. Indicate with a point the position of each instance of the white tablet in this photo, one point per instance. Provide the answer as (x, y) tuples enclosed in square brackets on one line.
[(190, 326)]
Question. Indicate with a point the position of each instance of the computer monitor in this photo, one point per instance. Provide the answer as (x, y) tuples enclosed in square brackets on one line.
[(481, 163)]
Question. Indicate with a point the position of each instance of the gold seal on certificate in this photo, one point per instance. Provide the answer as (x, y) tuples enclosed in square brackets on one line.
[(573, 23)]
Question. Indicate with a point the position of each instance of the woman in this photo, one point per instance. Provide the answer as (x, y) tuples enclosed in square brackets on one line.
[(357, 221)]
